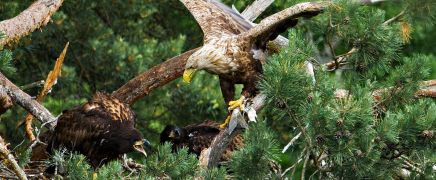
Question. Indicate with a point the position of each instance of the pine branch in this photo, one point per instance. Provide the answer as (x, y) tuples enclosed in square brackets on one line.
[(9, 160), (24, 100), (341, 60), (428, 89), (32, 85), (37, 15)]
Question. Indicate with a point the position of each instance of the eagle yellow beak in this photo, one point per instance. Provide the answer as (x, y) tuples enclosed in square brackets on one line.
[(188, 74), (139, 146)]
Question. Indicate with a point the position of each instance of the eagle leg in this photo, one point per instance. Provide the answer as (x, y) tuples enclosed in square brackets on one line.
[(237, 103), (223, 125), (227, 89), (233, 105)]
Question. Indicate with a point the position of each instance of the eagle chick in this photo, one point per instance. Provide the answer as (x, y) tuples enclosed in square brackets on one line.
[(102, 129), (198, 137)]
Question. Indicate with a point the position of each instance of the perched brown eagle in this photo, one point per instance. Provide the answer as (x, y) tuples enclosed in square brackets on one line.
[(102, 129), (197, 137), (234, 49)]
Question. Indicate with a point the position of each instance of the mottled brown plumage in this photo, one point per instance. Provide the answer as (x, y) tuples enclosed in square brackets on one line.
[(101, 129), (234, 49), (198, 137)]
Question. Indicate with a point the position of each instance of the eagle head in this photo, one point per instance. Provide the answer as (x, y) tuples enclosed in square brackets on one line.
[(210, 58), (173, 134), (131, 141)]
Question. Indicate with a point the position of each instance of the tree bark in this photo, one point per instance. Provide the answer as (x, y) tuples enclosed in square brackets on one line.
[(29, 104), (155, 77), (5, 102), (9, 160), (37, 15), (252, 11)]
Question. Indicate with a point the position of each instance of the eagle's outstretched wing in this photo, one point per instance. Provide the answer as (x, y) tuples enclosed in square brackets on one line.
[(216, 18), (269, 28)]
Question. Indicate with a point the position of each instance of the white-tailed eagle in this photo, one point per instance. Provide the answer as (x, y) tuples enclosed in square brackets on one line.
[(233, 48)]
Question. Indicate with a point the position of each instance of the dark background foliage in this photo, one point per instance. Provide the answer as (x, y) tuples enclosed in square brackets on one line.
[(112, 41)]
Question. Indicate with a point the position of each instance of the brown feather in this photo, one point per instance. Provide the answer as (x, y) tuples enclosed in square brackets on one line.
[(235, 51), (101, 129), (215, 18)]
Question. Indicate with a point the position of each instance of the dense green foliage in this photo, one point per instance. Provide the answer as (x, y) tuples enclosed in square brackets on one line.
[(350, 137)]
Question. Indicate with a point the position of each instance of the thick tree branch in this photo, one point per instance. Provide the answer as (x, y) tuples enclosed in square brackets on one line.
[(37, 15), (24, 100), (155, 77), (9, 161)]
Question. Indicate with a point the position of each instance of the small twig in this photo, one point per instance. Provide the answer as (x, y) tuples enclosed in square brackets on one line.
[(300, 158), (303, 171), (340, 60), (389, 21), (293, 166), (32, 85), (295, 138), (10, 161)]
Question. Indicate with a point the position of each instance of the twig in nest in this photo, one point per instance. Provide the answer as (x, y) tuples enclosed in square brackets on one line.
[(9, 160)]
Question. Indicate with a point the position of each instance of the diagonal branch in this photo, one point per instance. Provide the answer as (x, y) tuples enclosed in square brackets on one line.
[(251, 12), (21, 98), (155, 77), (37, 15)]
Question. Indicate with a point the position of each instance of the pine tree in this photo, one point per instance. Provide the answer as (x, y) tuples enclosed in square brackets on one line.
[(375, 127)]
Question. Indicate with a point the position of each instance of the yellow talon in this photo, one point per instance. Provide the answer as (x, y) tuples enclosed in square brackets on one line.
[(238, 103), (223, 125), (94, 176)]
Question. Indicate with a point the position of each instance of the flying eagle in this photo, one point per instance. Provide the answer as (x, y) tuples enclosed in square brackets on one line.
[(233, 48), (102, 129), (197, 137)]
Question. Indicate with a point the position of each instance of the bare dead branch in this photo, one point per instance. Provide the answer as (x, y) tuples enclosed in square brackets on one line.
[(24, 100), (428, 89), (254, 10), (32, 85), (51, 80), (37, 15), (9, 160)]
